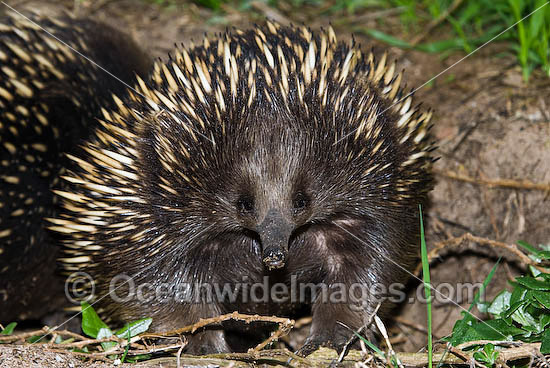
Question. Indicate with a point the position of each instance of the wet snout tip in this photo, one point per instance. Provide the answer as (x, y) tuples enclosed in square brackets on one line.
[(274, 260)]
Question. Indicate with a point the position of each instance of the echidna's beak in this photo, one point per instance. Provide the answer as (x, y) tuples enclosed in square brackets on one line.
[(274, 233)]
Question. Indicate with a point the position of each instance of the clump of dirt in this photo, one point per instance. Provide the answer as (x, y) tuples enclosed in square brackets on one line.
[(35, 356)]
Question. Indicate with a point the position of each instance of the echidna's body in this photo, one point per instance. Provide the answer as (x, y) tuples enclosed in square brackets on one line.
[(48, 98), (272, 152)]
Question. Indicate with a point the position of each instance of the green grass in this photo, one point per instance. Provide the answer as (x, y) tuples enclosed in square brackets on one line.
[(469, 25), (427, 286), (477, 21)]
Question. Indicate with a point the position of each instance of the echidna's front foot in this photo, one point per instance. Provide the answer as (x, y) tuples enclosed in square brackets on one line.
[(207, 342), (334, 339)]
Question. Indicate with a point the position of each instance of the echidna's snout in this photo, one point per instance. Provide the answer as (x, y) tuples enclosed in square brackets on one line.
[(275, 233)]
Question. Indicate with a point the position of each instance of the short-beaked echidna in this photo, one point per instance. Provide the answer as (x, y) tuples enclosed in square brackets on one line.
[(273, 152), (49, 96)]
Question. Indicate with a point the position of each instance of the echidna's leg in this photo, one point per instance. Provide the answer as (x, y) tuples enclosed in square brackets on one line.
[(364, 266), (336, 316)]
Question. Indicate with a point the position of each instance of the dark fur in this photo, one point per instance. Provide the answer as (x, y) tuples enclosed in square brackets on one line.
[(269, 165)]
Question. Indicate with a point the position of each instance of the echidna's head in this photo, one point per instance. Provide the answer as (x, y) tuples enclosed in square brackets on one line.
[(253, 138), (268, 193), (265, 180)]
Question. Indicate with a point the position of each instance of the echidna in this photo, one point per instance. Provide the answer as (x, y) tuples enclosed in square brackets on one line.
[(274, 152), (49, 96)]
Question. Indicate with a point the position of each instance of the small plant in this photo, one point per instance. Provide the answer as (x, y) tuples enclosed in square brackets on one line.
[(8, 330), (93, 326), (488, 355), (522, 314)]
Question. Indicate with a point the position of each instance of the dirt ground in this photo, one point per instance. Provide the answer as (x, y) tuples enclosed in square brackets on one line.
[(489, 126)]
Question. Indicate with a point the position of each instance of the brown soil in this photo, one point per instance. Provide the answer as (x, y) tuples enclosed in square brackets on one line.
[(488, 124)]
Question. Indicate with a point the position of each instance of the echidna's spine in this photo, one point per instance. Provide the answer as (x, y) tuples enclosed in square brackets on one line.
[(49, 97)]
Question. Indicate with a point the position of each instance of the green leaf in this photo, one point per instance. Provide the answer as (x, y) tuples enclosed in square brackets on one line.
[(212, 4), (384, 37), (481, 357), (83, 350), (540, 254), (497, 329), (463, 333), (8, 330), (137, 358), (518, 295), (462, 330), (370, 345), (488, 355), (135, 328), (528, 247), (104, 333), (545, 347), (544, 321), (483, 307), (542, 297), (500, 304), (91, 323), (525, 319), (534, 271), (34, 339), (532, 283)]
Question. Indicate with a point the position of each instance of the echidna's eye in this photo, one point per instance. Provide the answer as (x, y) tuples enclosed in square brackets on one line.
[(300, 201), (245, 205)]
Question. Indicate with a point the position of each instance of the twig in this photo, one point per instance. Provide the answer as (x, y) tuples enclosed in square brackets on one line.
[(468, 344), (93, 356), (456, 241), (83, 343), (384, 334), (498, 183), (178, 355), (465, 356), (284, 322)]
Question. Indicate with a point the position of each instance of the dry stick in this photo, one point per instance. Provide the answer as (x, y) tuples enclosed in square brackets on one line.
[(502, 183), (23, 336), (265, 355), (526, 350), (434, 23), (203, 322), (453, 242), (384, 334), (274, 337), (44, 330), (485, 342), (95, 356), (285, 325), (178, 355), (103, 354), (465, 356)]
